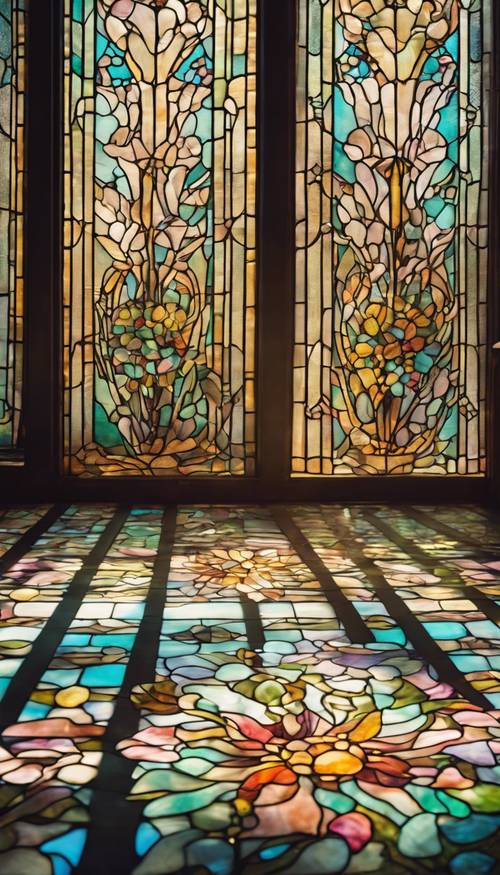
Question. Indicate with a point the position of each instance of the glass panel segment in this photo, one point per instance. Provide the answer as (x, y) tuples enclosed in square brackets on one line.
[(391, 247), (12, 95), (160, 237)]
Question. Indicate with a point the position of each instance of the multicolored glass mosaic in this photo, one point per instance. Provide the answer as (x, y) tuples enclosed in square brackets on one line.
[(32, 588), (159, 291), (250, 733), (12, 87), (391, 238), (15, 523)]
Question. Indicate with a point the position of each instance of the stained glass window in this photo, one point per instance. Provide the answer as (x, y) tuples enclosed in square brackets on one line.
[(159, 243), (12, 73), (392, 166)]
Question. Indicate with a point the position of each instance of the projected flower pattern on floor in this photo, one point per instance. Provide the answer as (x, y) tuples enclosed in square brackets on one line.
[(307, 753), (311, 764)]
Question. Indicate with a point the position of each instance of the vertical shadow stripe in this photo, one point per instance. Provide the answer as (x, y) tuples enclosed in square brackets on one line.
[(114, 821), (38, 660), (422, 642), (26, 541), (355, 627)]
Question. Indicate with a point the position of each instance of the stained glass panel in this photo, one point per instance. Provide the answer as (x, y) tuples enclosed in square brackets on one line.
[(392, 166), (159, 244), (12, 84)]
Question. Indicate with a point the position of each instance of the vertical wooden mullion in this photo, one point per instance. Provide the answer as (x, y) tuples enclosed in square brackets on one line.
[(275, 210), (43, 241)]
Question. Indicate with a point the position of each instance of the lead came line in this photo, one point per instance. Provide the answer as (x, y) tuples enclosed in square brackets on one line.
[(44, 647), (355, 627), (423, 644), (115, 825)]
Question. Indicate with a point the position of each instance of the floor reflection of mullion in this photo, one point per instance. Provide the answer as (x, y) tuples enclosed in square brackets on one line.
[(487, 514), (29, 538), (239, 616), (432, 522), (15, 522), (114, 826), (464, 614), (38, 660), (355, 628), (485, 605), (253, 623), (32, 588), (408, 544), (423, 643)]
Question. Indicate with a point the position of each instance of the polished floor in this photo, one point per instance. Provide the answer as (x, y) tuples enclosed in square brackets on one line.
[(214, 690)]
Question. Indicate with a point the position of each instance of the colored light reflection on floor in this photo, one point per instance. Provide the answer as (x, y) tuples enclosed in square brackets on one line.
[(197, 706)]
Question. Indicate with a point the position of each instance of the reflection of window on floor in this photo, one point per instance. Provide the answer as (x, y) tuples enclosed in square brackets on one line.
[(227, 688)]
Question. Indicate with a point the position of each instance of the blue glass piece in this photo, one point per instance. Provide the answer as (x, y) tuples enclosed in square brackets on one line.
[(110, 675), (395, 635), (72, 640), (472, 863), (70, 845), (445, 631), (474, 828), (4, 683), (60, 865), (125, 641), (34, 711), (145, 838), (273, 852), (470, 663), (215, 854)]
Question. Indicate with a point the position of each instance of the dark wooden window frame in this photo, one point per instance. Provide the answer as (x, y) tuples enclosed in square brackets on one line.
[(41, 477)]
